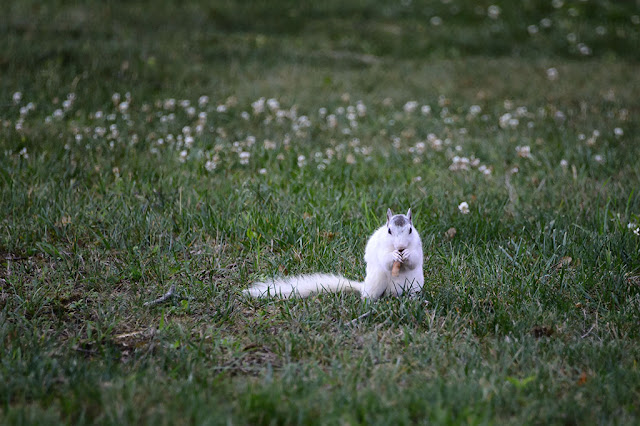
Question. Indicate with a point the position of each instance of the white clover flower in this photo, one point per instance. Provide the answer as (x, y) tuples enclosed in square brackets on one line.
[(618, 132), (123, 107), (507, 120), (564, 163), (191, 111), (532, 29), (100, 131), (258, 106), (245, 115), (221, 108), (183, 155), (17, 97), (463, 207), (557, 3), (410, 107), (637, 231), (545, 22), (459, 163), (114, 131), (552, 74), (332, 121), (584, 49), (169, 104), (302, 160), (631, 225), (185, 103), (475, 110), (493, 11), (572, 38), (273, 104), (524, 151), (262, 171), (188, 141), (115, 98), (303, 121), (322, 111), (210, 165), (23, 153), (435, 21), (350, 159), (425, 110), (203, 101), (598, 158), (244, 157), (361, 109)]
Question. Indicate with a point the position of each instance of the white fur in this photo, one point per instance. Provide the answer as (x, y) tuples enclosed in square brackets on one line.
[(403, 244)]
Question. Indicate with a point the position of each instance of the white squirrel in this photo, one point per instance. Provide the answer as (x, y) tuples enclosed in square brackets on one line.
[(396, 242)]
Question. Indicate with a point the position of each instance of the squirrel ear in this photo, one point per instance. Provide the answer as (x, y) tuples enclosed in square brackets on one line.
[(389, 214), (409, 214)]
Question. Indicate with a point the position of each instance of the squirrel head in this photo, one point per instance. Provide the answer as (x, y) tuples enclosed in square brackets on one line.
[(400, 229)]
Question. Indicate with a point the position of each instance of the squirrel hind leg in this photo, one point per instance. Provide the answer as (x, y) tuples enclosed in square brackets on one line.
[(374, 286)]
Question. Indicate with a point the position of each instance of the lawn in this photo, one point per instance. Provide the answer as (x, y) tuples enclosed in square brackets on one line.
[(154, 147)]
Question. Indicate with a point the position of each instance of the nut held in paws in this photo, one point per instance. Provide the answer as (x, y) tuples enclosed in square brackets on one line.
[(395, 270)]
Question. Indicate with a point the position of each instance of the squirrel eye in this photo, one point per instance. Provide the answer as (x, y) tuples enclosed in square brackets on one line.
[(410, 229), (389, 230)]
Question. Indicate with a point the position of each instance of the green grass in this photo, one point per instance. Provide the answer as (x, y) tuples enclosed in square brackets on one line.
[(530, 314)]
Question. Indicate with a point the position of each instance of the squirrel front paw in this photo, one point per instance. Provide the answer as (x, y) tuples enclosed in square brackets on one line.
[(397, 256), (405, 255)]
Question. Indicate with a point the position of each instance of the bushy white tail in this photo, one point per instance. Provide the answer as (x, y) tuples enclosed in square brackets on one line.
[(303, 286)]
